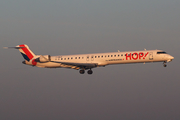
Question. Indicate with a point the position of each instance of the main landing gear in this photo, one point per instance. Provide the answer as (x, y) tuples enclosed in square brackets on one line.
[(83, 71), (90, 72), (164, 64)]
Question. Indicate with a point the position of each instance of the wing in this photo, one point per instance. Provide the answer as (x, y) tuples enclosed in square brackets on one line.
[(77, 66)]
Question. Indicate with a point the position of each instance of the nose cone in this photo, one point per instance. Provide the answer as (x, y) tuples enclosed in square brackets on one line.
[(171, 57)]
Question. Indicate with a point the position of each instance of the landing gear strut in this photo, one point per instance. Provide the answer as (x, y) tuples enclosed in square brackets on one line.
[(164, 64)]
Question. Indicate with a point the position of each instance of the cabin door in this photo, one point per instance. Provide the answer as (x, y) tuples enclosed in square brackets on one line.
[(151, 56)]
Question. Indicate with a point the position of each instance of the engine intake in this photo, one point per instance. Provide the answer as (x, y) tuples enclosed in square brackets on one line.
[(43, 58)]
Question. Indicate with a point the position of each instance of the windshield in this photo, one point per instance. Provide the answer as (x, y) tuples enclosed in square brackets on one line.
[(162, 52)]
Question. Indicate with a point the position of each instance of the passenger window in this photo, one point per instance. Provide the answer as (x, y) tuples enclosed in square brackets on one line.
[(111, 55), (98, 56), (102, 56), (114, 55), (75, 57), (64, 58), (79, 57), (61, 58), (108, 55)]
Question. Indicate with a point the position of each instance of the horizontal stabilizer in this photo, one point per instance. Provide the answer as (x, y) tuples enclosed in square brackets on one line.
[(13, 47)]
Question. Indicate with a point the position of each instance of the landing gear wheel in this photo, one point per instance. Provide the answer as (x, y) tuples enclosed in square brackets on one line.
[(81, 71), (89, 71), (165, 65)]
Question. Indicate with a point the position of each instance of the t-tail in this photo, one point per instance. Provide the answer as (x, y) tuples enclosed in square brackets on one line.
[(27, 54)]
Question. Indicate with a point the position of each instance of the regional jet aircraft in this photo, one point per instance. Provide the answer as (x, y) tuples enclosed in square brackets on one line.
[(84, 62)]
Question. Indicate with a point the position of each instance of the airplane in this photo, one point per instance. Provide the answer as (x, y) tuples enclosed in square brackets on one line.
[(84, 62)]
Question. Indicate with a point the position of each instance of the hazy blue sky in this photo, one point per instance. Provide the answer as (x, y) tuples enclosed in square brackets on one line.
[(58, 27)]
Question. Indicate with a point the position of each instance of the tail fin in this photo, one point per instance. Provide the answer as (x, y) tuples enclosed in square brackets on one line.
[(26, 52)]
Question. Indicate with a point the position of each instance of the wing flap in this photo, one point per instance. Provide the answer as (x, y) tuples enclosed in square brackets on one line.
[(77, 65)]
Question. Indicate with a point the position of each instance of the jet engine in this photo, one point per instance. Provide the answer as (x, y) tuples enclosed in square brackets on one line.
[(43, 58)]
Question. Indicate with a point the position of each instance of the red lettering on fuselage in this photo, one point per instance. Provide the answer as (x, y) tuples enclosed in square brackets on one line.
[(128, 56), (145, 55), (136, 56), (141, 54)]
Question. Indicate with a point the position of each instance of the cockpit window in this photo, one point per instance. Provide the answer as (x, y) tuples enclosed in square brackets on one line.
[(161, 52)]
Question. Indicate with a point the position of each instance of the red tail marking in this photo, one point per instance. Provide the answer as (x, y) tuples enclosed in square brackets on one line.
[(27, 52), (34, 62)]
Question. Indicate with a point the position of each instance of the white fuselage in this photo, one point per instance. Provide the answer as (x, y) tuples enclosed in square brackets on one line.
[(84, 62), (103, 59)]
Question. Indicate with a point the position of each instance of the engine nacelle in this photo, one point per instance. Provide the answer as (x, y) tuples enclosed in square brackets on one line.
[(43, 58)]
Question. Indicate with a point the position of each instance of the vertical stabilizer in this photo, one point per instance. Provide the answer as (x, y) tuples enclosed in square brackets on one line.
[(26, 52)]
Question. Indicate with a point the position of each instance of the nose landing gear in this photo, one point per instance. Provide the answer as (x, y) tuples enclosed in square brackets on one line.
[(164, 64)]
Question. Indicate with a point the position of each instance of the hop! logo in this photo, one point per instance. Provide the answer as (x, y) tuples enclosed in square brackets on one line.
[(136, 56)]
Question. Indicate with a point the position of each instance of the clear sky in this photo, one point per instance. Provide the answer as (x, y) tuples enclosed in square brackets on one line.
[(58, 27)]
